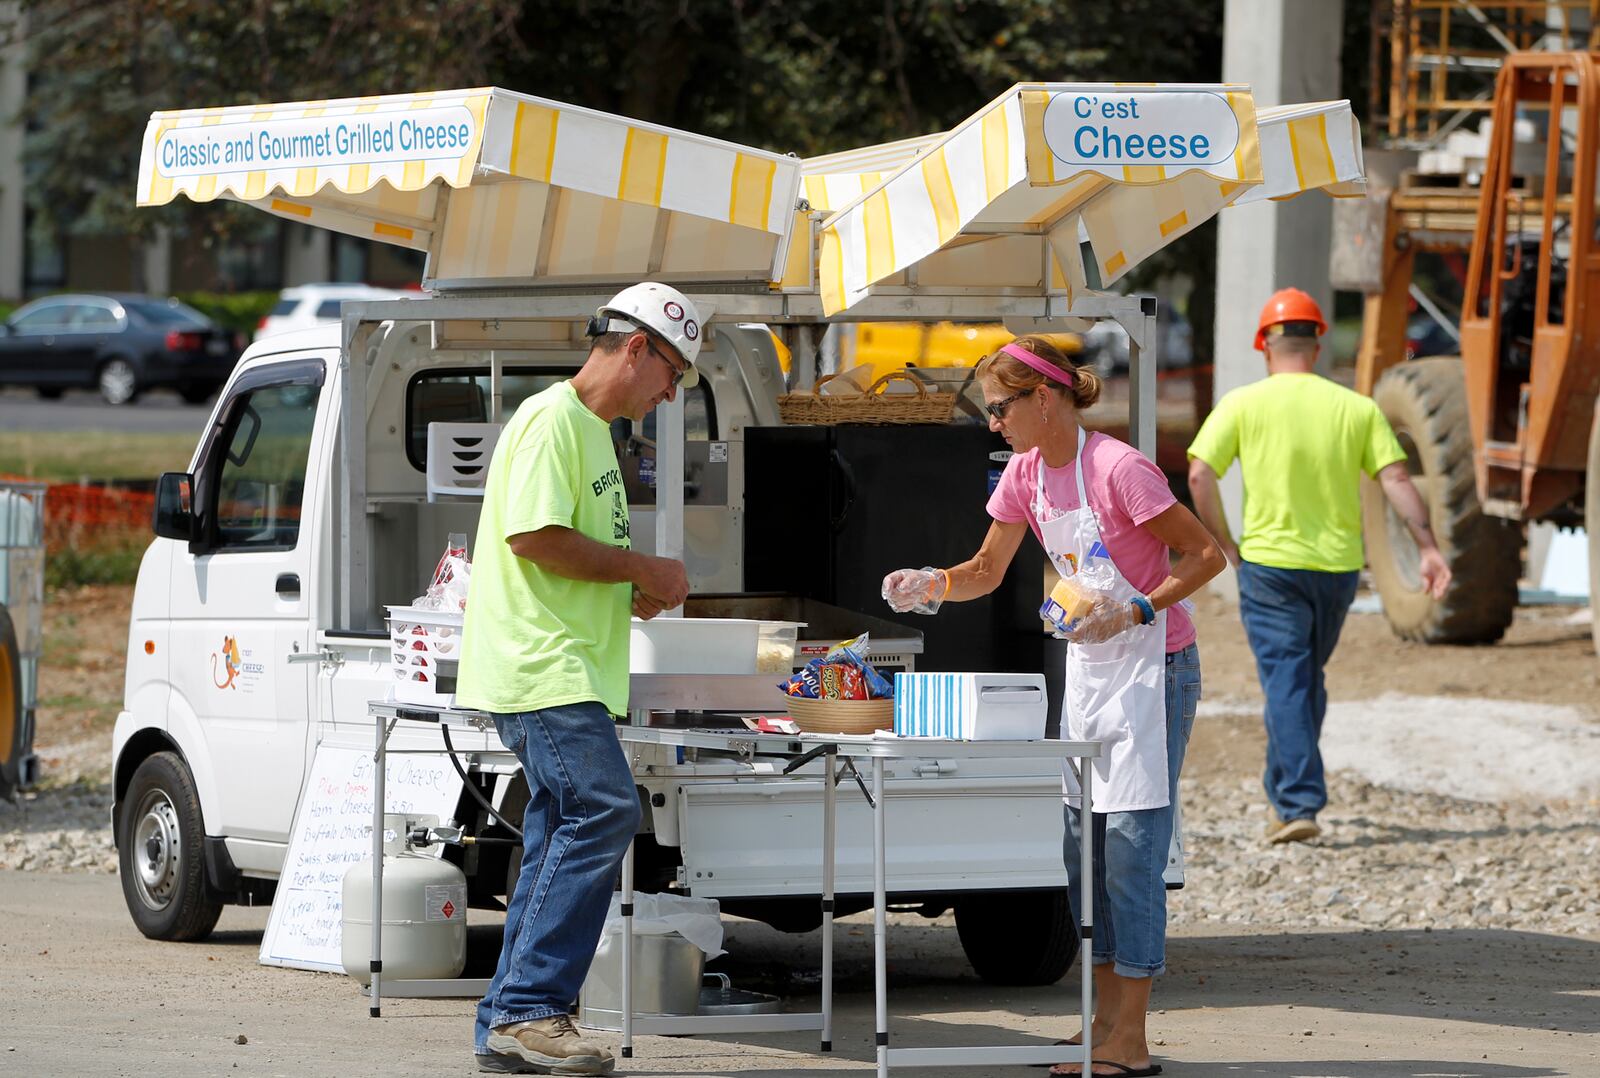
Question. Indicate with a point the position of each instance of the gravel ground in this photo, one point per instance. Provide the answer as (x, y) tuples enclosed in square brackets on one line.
[(1461, 840), (1387, 859)]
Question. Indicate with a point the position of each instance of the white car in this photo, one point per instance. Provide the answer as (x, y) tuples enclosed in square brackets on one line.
[(306, 305)]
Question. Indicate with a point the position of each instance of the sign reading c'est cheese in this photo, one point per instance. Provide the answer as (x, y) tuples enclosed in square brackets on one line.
[(1109, 129)]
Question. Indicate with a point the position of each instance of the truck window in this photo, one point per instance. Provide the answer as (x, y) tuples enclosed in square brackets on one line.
[(462, 396), (262, 468)]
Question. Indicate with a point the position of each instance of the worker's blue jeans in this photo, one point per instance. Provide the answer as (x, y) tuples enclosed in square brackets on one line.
[(1292, 619), (1130, 848), (583, 811)]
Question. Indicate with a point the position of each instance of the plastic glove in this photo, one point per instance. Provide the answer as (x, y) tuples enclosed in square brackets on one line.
[(1108, 618), (914, 591)]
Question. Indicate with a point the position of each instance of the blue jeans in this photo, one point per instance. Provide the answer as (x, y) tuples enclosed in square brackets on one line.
[(1130, 893), (1292, 619), (583, 811)]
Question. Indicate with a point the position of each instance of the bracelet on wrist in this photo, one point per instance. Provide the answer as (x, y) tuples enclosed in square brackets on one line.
[(1146, 609), (945, 576)]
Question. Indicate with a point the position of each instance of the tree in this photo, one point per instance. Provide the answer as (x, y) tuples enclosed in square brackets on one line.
[(800, 76), (98, 70)]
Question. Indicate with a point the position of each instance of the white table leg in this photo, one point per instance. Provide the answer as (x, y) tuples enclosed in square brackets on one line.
[(1086, 940), (627, 953), (829, 807), (880, 951), (381, 737)]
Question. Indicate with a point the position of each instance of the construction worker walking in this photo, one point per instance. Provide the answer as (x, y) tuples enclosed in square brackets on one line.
[(1303, 443)]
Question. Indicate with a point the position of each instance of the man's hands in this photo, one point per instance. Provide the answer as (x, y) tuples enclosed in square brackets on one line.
[(1435, 572), (659, 584)]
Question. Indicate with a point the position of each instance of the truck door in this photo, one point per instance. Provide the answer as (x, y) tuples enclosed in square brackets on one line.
[(242, 600)]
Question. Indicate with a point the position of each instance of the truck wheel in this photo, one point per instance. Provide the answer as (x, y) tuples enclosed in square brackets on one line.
[(1591, 521), (159, 853), (1018, 937), (1425, 401)]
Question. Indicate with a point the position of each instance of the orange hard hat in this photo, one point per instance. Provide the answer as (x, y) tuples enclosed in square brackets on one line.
[(1288, 305)]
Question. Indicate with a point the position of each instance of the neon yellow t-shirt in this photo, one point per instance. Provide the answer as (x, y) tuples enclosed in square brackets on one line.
[(534, 639), (1302, 443)]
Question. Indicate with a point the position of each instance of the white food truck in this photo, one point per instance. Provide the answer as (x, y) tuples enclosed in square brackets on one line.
[(311, 501)]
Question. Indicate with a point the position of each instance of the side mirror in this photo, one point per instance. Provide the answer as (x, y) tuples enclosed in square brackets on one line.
[(174, 512)]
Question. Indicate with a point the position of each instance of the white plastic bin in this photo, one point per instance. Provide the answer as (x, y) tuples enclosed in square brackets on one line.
[(694, 646), (424, 652)]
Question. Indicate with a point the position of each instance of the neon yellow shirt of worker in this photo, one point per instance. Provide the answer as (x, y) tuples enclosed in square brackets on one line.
[(1303, 443), (553, 578)]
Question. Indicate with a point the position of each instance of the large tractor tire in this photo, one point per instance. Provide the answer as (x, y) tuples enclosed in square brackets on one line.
[(1425, 401), (1591, 522), (11, 716)]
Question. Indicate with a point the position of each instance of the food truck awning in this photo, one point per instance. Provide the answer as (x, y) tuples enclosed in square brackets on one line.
[(498, 187), (1004, 198)]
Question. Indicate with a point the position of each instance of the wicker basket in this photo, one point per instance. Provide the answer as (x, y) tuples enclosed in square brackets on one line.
[(841, 716), (873, 406)]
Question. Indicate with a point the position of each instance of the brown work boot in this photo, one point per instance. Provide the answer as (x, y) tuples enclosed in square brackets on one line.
[(544, 1046), (1302, 830)]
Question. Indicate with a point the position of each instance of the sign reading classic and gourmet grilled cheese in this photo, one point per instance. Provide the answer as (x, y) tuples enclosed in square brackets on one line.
[(440, 133)]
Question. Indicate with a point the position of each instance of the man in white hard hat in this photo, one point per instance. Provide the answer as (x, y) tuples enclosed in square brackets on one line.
[(545, 651)]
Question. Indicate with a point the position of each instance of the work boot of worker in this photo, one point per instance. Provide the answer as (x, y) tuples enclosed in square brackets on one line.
[(545, 1046)]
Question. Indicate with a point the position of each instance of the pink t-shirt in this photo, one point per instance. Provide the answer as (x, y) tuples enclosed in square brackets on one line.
[(1126, 489)]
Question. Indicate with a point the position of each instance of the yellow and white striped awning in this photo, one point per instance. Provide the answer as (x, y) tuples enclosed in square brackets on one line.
[(1000, 200), (498, 187)]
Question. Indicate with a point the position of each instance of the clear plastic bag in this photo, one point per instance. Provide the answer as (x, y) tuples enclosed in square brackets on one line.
[(451, 578)]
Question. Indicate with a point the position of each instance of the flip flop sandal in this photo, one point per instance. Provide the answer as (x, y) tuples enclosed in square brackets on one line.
[(1073, 1044)]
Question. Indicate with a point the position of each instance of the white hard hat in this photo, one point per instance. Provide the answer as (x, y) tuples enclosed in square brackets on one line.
[(661, 309)]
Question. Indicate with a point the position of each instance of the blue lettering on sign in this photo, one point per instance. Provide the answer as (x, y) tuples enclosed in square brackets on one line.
[(1188, 128), (427, 134)]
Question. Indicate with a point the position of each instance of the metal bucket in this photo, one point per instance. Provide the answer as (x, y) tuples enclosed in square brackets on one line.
[(719, 998), (666, 976)]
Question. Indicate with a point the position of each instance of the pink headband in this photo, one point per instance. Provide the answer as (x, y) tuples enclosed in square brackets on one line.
[(1038, 363)]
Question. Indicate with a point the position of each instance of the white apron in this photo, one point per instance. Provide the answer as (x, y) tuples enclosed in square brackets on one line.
[(1115, 691)]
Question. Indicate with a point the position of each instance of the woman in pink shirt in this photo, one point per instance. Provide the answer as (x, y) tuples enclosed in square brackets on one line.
[(1109, 522)]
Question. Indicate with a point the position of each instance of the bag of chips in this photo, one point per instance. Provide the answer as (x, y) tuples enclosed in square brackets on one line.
[(842, 674)]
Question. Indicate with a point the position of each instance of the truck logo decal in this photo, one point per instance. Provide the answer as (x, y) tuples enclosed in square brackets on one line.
[(231, 663)]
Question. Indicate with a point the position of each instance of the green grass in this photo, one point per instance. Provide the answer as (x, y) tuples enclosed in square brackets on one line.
[(69, 457), (111, 560)]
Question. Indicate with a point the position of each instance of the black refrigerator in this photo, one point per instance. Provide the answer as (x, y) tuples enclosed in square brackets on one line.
[(831, 510)]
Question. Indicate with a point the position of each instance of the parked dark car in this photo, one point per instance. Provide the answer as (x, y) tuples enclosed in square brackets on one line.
[(121, 344)]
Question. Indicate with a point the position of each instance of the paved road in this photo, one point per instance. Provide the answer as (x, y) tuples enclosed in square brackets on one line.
[(85, 994), (158, 411)]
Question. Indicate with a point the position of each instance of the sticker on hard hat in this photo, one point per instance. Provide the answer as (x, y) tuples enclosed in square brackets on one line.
[(691, 330), (674, 310)]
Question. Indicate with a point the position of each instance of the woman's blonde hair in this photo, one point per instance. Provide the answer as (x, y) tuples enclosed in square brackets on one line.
[(1014, 376)]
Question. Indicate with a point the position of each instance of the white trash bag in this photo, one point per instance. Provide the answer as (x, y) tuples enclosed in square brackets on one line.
[(698, 920)]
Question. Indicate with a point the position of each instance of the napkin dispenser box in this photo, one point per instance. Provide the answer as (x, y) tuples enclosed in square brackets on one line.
[(971, 707)]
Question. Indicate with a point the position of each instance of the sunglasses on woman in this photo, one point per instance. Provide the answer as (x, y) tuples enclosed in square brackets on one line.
[(998, 408)]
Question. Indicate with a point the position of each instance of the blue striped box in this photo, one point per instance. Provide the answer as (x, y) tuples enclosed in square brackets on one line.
[(970, 707)]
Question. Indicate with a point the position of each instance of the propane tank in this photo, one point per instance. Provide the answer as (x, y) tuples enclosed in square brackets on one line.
[(424, 912)]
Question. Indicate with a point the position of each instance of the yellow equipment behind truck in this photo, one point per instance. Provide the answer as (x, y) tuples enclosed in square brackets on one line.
[(21, 629), (1507, 433)]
